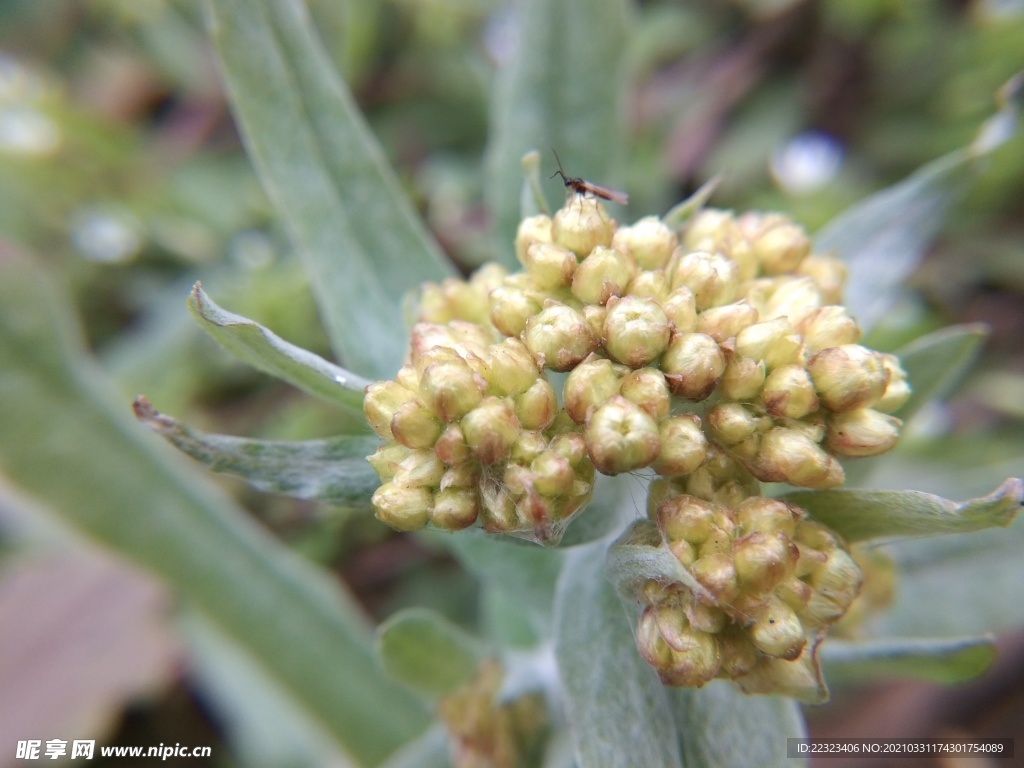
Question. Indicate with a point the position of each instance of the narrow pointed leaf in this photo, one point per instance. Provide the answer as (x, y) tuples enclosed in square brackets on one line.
[(861, 515), (76, 447), (936, 362), (333, 470), (327, 177), (250, 342), (563, 88), (951, 660), (619, 711), (427, 653)]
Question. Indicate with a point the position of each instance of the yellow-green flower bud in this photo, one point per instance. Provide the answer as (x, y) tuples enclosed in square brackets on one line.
[(685, 518), (636, 330), (827, 327), (768, 515), (789, 392), (778, 632), (738, 654), (834, 585), (848, 377), (779, 244), (420, 469), (653, 285), (527, 447), (401, 507), (828, 273), (621, 437), (532, 229), (863, 432), (650, 644), (649, 240), (684, 551), (582, 225), (559, 337), (708, 225), (451, 389), (451, 446), (790, 456), (695, 665), (498, 512), (595, 314), (743, 378), (454, 509), (692, 365), (897, 391), (572, 446), (549, 266), (772, 341), (795, 593), (552, 474), (466, 475), (491, 429), (791, 297), (415, 426), (511, 369), (732, 423), (763, 560), (683, 446), (385, 460), (715, 572), (536, 407), (432, 343), (647, 388), (723, 323), (590, 384), (713, 278), (601, 275), (381, 403), (681, 309), (512, 307)]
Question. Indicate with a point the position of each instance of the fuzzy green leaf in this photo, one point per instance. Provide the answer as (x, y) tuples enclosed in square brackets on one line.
[(427, 653), (861, 515), (333, 470), (935, 363), (431, 750), (950, 660), (640, 555), (250, 342), (70, 442), (564, 88), (327, 177)]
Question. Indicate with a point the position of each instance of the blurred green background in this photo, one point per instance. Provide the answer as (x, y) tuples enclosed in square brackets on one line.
[(122, 173)]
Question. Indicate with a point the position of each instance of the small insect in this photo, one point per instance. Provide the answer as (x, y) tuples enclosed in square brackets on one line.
[(585, 188)]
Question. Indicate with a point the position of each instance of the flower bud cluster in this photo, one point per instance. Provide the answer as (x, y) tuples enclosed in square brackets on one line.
[(472, 432), (765, 579)]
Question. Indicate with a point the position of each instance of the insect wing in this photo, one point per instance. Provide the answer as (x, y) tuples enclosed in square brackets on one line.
[(603, 192)]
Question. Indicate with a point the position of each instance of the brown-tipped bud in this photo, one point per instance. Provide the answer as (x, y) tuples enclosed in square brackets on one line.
[(451, 389), (536, 407), (834, 585), (573, 447), (827, 327), (681, 309), (549, 266), (651, 645), (582, 225), (772, 341), (789, 392), (532, 229), (723, 323), (738, 654), (715, 572), (743, 378), (462, 476), (454, 509), (451, 446), (897, 391), (381, 403), (848, 377), (490, 430), (595, 314), (601, 275), (647, 388), (636, 330), (401, 507), (789, 456), (685, 518), (763, 560), (527, 447), (864, 432), (415, 426), (713, 278), (386, 459), (778, 632), (559, 337), (652, 285), (696, 664), (706, 618), (590, 384), (692, 365), (552, 474), (683, 446), (828, 273), (511, 369), (795, 593), (649, 240), (768, 515), (511, 307), (730, 424), (621, 437)]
